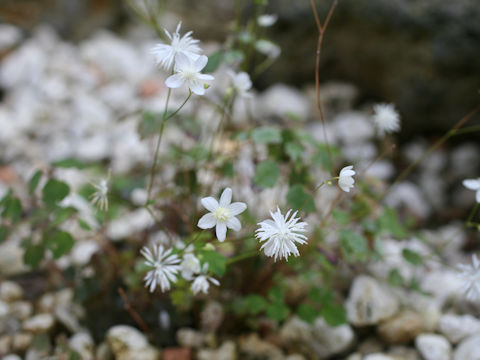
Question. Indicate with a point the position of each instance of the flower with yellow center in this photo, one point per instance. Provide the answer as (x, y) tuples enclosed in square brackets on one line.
[(222, 214)]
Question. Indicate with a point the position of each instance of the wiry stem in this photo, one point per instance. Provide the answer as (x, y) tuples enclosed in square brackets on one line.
[(321, 32)]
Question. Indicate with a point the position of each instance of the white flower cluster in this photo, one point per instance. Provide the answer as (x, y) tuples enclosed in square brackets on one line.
[(470, 277), (165, 266)]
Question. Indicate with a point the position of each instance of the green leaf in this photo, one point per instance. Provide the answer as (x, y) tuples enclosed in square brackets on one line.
[(266, 174), (267, 135), (34, 180), (54, 191), (277, 311), (294, 150), (342, 217), (354, 245), (58, 242), (3, 233), (33, 255), (255, 304), (217, 263), (275, 294), (388, 222), (84, 225), (334, 314), (69, 163), (320, 295), (13, 209), (149, 124), (307, 313), (299, 199), (214, 62), (412, 257), (62, 215), (395, 278)]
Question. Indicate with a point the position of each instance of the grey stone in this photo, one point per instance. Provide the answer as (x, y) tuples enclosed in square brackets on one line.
[(433, 347), (458, 327), (468, 349)]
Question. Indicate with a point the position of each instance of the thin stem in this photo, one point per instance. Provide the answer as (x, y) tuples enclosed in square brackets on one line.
[(241, 257), (472, 214), (321, 32), (157, 148), (453, 131), (133, 313), (313, 193)]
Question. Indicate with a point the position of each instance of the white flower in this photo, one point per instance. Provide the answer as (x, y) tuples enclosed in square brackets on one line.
[(386, 118), (281, 235), (164, 267), (473, 184), (267, 20), (201, 282), (100, 196), (268, 48), (190, 266), (187, 72), (470, 276), (165, 53), (241, 83), (345, 178), (222, 215)]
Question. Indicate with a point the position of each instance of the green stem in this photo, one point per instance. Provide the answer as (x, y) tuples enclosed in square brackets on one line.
[(472, 214), (242, 257), (157, 148), (314, 192)]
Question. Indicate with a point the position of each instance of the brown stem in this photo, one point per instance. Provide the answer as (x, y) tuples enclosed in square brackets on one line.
[(133, 313), (321, 32)]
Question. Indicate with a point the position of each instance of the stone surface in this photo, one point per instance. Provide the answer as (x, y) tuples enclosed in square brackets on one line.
[(433, 347), (253, 346), (227, 351), (402, 328), (190, 338), (127, 343), (281, 100), (40, 323), (458, 327), (10, 291), (468, 349), (378, 356), (83, 344), (369, 302)]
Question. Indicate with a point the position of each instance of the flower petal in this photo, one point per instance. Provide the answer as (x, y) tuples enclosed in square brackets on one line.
[(201, 62), (477, 197), (207, 221), (197, 88), (221, 231), (472, 184), (237, 208), (210, 203), (234, 224), (181, 61), (174, 81), (226, 197), (205, 77)]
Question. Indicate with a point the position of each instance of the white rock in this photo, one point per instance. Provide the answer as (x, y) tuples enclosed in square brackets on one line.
[(461, 159), (4, 308), (83, 251), (225, 352), (139, 196), (369, 302), (124, 337), (408, 195), (450, 288), (381, 169), (129, 224), (10, 291), (190, 338), (353, 127), (281, 100), (468, 349), (433, 347), (11, 258), (40, 323), (458, 327), (21, 309), (378, 356), (83, 344), (11, 357), (9, 36), (331, 340), (21, 341)]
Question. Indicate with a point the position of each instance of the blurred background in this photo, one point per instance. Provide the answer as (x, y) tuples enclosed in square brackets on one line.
[(422, 55)]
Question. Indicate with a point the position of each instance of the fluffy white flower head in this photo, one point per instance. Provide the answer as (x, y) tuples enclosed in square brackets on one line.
[(267, 20), (345, 178), (473, 184), (187, 72), (164, 267), (201, 284), (222, 215), (165, 53), (190, 266), (470, 277), (100, 196), (281, 234), (241, 83), (386, 118)]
